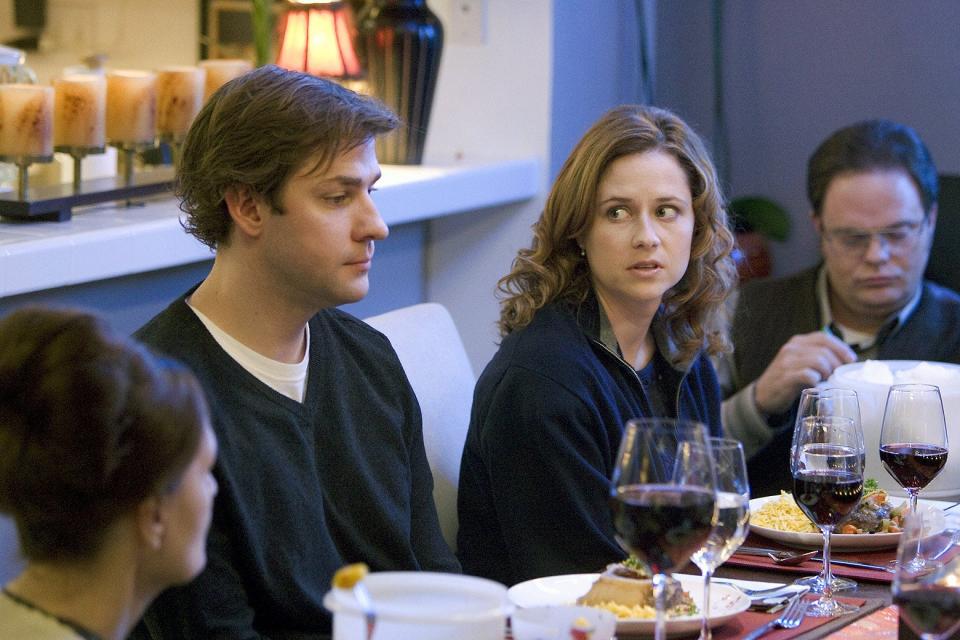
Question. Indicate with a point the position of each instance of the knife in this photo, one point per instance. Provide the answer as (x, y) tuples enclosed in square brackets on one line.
[(759, 551)]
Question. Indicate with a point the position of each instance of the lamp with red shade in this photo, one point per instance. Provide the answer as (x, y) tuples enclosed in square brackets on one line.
[(318, 38)]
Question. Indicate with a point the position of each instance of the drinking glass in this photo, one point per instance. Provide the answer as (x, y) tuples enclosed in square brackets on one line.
[(928, 595), (829, 401), (733, 513), (663, 498), (826, 462), (913, 440)]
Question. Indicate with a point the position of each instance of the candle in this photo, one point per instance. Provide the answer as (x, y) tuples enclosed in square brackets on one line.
[(179, 96), (79, 111), (221, 71), (131, 107), (26, 120)]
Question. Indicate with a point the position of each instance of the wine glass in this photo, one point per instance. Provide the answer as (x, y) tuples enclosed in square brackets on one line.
[(928, 595), (826, 461), (733, 513), (913, 440), (829, 401), (663, 498)]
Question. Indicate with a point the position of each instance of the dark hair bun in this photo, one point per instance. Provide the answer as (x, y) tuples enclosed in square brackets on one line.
[(90, 424)]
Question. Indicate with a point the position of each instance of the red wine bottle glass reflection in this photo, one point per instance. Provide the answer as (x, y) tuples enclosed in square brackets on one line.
[(928, 595), (663, 498), (913, 440), (829, 401), (826, 461)]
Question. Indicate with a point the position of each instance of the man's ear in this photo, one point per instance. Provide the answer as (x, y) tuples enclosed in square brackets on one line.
[(246, 207), (151, 525)]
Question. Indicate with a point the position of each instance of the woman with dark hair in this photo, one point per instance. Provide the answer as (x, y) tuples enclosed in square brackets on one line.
[(105, 460), (609, 315)]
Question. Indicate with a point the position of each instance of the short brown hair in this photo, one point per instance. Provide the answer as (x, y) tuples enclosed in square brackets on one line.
[(91, 423), (553, 269), (258, 129)]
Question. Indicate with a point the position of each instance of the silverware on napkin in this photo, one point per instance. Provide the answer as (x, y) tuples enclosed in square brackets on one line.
[(760, 551)]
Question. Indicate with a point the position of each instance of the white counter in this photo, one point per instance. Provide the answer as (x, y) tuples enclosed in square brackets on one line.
[(107, 241)]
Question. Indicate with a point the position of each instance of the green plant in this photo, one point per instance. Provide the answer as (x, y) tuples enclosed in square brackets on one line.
[(262, 18), (760, 214)]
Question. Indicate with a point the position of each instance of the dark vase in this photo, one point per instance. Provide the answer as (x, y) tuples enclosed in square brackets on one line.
[(401, 45)]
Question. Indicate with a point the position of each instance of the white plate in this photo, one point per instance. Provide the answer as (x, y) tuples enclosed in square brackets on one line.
[(844, 541), (725, 601)]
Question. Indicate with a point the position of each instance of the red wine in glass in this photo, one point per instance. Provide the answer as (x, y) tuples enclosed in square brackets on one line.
[(663, 525), (826, 496), (913, 465), (929, 608)]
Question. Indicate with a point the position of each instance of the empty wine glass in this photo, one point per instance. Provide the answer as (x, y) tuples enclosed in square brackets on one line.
[(733, 513), (928, 595), (829, 401), (913, 440), (663, 497), (826, 462)]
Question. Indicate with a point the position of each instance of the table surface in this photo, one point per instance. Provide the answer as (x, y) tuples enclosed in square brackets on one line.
[(868, 590)]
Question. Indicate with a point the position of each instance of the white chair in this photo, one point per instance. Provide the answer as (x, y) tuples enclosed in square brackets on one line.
[(432, 354), (11, 562)]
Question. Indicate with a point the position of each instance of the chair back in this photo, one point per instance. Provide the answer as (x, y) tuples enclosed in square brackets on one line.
[(11, 562), (436, 363)]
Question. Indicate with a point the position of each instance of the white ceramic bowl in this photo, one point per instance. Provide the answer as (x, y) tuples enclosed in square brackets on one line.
[(425, 606), (873, 398), (554, 623)]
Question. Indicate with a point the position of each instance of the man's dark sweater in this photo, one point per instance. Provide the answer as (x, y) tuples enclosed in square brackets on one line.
[(548, 414), (304, 488)]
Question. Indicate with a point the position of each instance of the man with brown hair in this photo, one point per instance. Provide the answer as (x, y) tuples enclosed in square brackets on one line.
[(321, 451), (873, 191)]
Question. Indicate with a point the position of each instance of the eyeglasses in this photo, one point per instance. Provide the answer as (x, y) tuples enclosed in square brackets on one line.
[(899, 238)]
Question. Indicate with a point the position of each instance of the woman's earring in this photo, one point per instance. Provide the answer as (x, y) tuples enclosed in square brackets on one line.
[(583, 252)]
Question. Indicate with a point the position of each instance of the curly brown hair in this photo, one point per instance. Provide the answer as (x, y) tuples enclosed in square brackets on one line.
[(552, 269), (257, 130), (91, 424)]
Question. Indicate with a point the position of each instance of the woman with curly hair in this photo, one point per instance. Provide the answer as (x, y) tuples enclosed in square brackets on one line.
[(105, 467), (611, 314)]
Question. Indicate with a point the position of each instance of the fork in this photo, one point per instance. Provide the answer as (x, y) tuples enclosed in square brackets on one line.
[(789, 619)]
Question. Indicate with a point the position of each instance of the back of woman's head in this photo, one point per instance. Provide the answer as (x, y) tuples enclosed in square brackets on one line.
[(91, 423)]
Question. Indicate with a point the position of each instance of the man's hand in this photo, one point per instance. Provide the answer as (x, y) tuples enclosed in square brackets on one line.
[(802, 362)]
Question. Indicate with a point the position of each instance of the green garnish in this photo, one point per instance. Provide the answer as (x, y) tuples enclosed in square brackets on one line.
[(870, 485)]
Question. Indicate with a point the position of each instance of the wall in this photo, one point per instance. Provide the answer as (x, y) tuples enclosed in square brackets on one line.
[(492, 101), (796, 71)]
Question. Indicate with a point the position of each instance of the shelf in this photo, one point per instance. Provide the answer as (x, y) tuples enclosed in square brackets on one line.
[(107, 241)]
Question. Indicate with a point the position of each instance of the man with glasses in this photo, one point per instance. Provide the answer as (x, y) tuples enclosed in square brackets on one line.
[(873, 190)]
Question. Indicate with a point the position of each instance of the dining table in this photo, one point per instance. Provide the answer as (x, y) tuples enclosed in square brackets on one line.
[(872, 593)]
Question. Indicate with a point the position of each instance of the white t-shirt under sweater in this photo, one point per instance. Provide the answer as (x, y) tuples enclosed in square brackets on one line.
[(287, 379)]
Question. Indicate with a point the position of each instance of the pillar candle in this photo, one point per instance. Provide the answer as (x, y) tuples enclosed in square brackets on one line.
[(26, 120), (79, 111), (131, 107), (179, 97), (221, 71)]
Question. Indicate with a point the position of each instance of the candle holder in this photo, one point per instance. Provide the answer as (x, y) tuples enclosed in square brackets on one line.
[(175, 142), (127, 150), (23, 163), (78, 154)]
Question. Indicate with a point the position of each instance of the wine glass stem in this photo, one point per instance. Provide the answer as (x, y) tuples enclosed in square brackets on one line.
[(705, 633), (660, 603), (827, 572)]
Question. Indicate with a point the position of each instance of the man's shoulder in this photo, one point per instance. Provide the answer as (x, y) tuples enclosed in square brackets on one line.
[(941, 296), (766, 288), (168, 328)]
